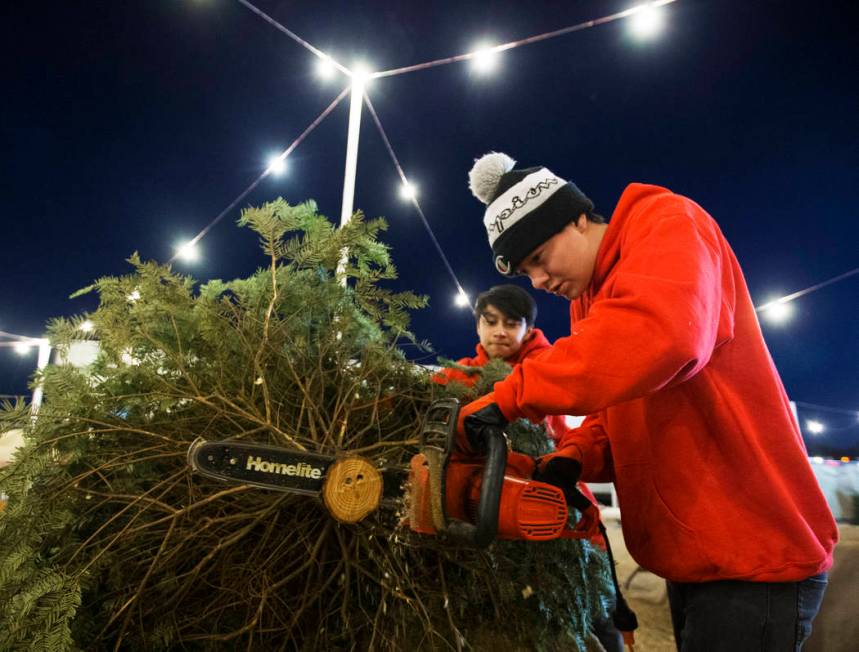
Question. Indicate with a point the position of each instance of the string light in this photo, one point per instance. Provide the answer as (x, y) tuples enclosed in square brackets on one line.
[(647, 21), (777, 311), (325, 68), (626, 13), (414, 200), (408, 191), (276, 165), (188, 252), (484, 59), (814, 427), (262, 176), (795, 295)]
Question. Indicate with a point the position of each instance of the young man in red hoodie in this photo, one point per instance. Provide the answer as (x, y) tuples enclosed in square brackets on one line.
[(687, 414)]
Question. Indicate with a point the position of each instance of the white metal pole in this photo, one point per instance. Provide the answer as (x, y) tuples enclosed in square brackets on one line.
[(357, 102), (44, 358)]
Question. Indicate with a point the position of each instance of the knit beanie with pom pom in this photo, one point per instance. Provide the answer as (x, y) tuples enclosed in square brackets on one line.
[(524, 207)]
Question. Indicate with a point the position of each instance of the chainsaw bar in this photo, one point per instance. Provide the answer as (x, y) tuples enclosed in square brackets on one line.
[(276, 468)]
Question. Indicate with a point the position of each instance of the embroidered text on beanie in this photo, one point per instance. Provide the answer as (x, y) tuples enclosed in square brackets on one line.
[(524, 207)]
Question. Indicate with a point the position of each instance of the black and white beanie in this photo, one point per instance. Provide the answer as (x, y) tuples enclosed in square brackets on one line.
[(524, 207)]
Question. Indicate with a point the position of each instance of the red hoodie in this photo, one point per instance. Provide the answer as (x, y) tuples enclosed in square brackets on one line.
[(556, 427), (688, 415), (534, 344)]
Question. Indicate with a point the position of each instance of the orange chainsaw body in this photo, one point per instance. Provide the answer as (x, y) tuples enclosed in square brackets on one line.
[(528, 510)]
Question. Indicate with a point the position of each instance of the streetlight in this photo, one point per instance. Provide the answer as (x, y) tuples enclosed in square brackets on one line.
[(362, 72)]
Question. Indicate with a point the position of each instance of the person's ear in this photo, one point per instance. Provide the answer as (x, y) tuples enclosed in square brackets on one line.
[(528, 333), (582, 223)]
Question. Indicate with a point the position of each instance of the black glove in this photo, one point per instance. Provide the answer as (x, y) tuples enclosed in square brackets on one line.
[(478, 423), (564, 473)]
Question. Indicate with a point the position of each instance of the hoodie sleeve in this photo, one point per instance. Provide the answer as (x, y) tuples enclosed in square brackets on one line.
[(588, 444), (655, 321)]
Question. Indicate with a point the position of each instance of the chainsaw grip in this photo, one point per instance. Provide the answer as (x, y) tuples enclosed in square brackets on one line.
[(484, 532)]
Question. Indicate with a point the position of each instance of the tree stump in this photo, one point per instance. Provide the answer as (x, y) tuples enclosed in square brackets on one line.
[(353, 489)]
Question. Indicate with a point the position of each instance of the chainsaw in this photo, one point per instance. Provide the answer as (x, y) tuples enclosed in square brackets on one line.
[(469, 500)]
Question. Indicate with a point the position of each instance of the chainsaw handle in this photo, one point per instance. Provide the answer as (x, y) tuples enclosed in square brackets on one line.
[(484, 532)]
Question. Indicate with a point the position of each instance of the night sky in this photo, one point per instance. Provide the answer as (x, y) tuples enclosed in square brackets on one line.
[(128, 126)]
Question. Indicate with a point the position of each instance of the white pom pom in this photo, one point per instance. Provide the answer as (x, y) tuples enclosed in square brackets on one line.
[(486, 173)]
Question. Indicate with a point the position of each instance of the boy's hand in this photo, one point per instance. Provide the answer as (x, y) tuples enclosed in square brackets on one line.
[(564, 472), (475, 419)]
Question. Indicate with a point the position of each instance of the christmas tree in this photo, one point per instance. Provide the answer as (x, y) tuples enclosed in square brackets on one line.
[(111, 542)]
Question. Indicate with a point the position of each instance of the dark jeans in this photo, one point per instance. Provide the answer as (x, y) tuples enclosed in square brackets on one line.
[(738, 616)]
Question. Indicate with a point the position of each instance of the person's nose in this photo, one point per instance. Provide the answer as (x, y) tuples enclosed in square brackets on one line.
[(539, 280)]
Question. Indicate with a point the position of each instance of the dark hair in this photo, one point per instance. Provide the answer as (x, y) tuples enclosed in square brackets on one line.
[(511, 300)]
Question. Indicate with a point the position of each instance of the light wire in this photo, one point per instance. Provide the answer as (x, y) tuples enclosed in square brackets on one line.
[(18, 338), (525, 41), (267, 171), (826, 408), (295, 37), (813, 288), (413, 198)]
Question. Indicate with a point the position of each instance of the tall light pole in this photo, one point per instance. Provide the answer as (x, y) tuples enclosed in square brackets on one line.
[(359, 80), (44, 358)]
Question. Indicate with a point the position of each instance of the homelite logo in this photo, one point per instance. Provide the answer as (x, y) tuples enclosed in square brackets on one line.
[(302, 469)]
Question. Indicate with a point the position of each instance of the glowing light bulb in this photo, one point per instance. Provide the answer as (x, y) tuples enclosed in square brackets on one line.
[(814, 427), (777, 311), (408, 191), (86, 326), (188, 252), (276, 165), (361, 73), (647, 21), (484, 59), (324, 68), (22, 348), (461, 299)]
